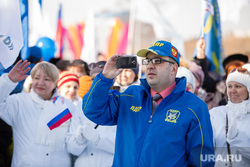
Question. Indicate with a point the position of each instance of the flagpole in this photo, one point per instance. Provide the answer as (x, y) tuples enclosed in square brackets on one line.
[(131, 26), (137, 46), (202, 18), (59, 34)]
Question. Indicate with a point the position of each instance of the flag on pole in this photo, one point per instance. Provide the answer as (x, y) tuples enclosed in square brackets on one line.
[(115, 37), (75, 39), (71, 41), (11, 39), (59, 34), (40, 2), (36, 25), (211, 31), (25, 28), (123, 44), (88, 51), (80, 30), (162, 27)]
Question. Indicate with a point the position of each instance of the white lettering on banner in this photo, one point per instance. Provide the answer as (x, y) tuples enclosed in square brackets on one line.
[(7, 41), (219, 157)]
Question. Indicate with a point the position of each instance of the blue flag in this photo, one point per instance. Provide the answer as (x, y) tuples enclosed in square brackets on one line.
[(212, 35), (40, 2), (1, 67), (25, 28)]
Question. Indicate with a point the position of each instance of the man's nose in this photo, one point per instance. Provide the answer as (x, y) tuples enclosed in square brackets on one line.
[(150, 64)]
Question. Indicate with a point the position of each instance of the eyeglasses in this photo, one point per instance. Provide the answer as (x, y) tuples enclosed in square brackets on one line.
[(155, 61), (241, 70), (99, 64)]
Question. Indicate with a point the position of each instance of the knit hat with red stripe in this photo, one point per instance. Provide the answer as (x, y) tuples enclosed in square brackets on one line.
[(66, 76)]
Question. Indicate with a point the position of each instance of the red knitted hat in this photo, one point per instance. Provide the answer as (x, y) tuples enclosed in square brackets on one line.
[(66, 76)]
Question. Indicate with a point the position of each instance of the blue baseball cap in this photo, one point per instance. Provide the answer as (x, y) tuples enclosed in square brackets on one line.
[(162, 48)]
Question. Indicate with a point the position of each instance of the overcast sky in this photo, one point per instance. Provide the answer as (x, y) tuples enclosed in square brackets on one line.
[(183, 15)]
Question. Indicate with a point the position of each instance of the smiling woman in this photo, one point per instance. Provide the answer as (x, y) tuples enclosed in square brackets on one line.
[(44, 78), (126, 78), (237, 92), (39, 119), (237, 85), (231, 122)]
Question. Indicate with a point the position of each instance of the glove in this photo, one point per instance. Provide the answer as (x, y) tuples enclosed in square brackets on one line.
[(232, 128), (79, 135), (91, 134)]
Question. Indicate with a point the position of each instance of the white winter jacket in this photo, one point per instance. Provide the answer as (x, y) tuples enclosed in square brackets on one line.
[(34, 145), (92, 154), (239, 143)]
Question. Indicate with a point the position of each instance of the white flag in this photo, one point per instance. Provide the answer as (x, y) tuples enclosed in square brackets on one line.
[(36, 26), (88, 53), (207, 6), (11, 38), (147, 11)]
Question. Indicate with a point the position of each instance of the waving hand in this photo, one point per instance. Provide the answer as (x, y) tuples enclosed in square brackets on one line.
[(18, 72)]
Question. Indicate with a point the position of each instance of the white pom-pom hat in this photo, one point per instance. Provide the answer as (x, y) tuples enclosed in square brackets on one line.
[(240, 77), (182, 71)]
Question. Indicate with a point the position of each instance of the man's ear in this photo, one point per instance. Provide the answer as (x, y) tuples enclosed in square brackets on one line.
[(174, 69)]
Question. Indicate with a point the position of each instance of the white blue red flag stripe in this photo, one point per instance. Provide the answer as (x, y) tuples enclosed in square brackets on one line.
[(55, 99), (59, 119)]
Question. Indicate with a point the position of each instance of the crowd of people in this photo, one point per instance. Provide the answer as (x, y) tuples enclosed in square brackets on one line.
[(71, 113)]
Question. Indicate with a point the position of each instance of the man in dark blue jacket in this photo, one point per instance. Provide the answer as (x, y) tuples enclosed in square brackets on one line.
[(175, 130)]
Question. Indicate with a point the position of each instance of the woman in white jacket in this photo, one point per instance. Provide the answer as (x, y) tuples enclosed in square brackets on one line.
[(93, 144), (231, 123), (39, 119), (100, 147)]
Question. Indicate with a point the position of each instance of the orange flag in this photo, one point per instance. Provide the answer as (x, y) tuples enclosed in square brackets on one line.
[(115, 37)]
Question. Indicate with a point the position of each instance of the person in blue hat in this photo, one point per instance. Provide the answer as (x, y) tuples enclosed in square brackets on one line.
[(159, 123), (35, 56)]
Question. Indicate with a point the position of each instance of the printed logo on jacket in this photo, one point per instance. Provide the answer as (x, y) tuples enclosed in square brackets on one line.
[(172, 115), (135, 109)]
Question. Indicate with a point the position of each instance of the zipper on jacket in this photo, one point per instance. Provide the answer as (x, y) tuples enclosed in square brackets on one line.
[(144, 137), (150, 119)]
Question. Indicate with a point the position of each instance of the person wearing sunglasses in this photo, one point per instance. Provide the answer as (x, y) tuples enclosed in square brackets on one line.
[(231, 122), (172, 131), (96, 68)]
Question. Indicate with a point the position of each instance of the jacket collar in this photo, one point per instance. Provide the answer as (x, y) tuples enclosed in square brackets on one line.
[(180, 85)]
